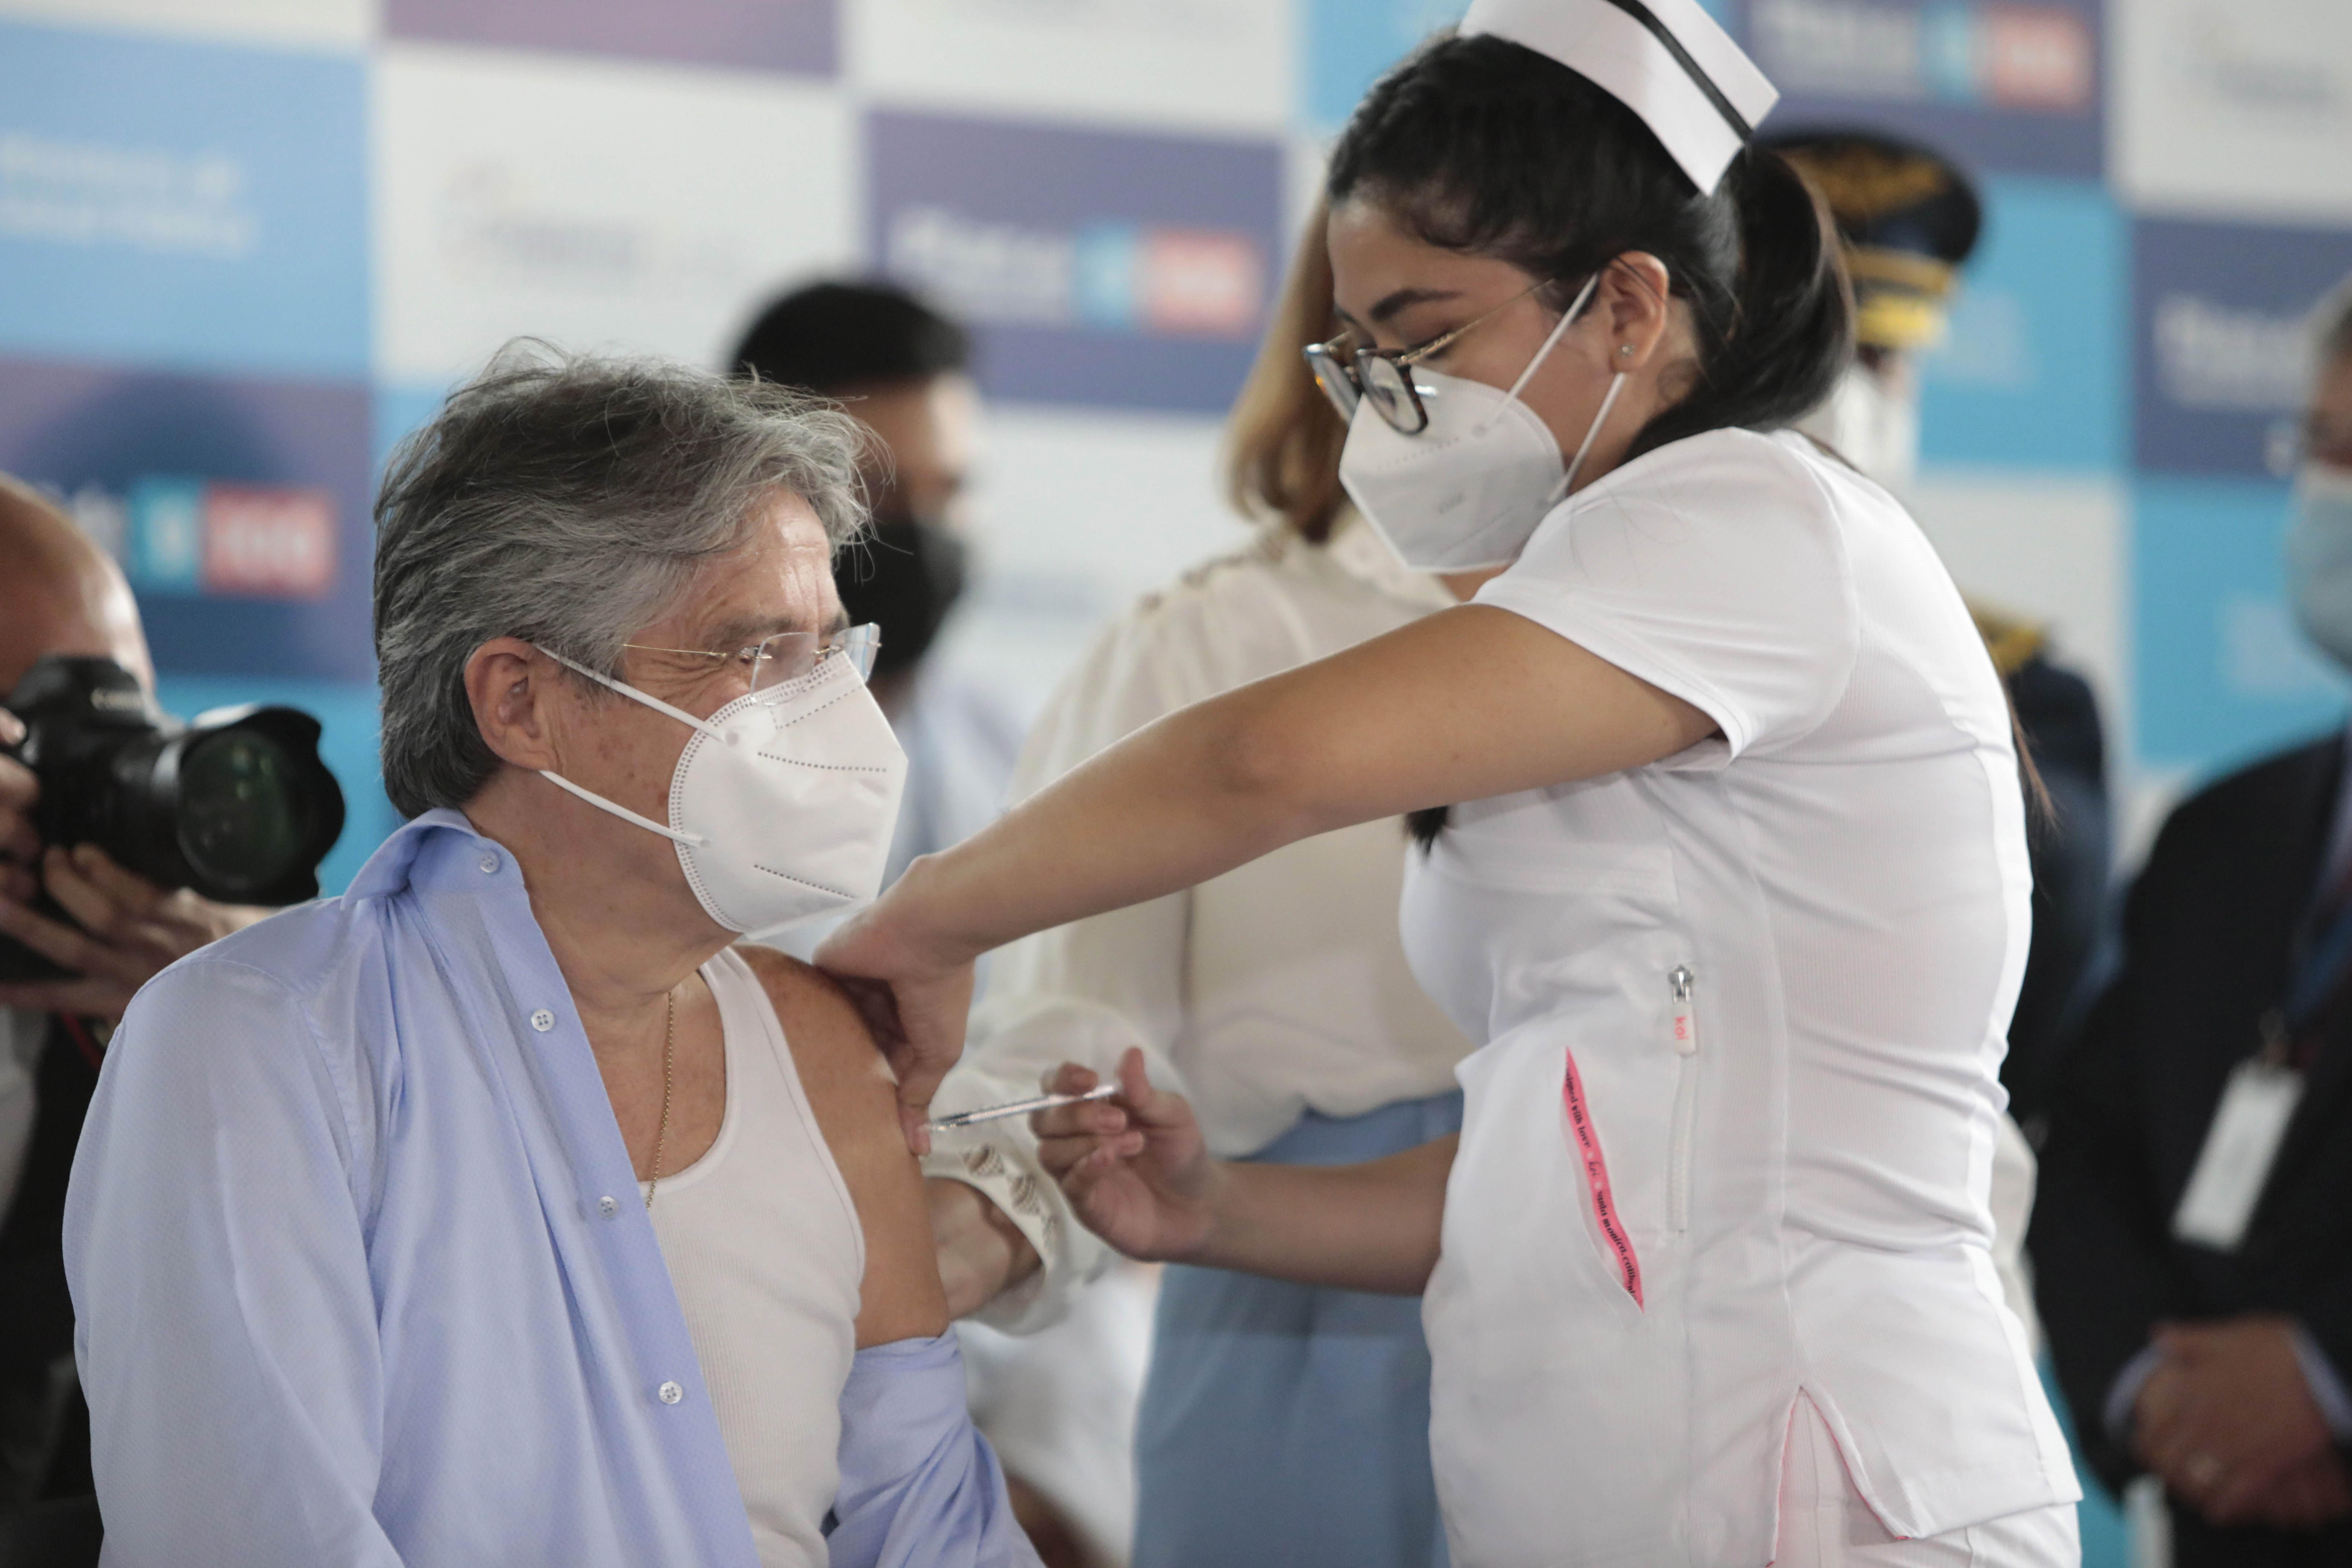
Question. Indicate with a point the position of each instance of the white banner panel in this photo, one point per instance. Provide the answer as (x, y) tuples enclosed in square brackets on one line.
[(2051, 551), (2233, 108), (1076, 516), (599, 205), (302, 24), (1182, 64)]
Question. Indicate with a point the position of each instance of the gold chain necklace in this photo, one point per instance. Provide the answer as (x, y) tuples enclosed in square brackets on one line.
[(669, 1062)]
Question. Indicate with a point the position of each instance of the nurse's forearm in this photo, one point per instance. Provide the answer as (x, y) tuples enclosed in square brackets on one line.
[(1371, 1226), (1465, 705)]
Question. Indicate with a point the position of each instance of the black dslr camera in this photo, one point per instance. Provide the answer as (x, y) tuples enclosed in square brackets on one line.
[(236, 806)]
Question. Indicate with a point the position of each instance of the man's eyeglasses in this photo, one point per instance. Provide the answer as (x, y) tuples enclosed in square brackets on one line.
[(2291, 443), (1350, 375), (775, 664)]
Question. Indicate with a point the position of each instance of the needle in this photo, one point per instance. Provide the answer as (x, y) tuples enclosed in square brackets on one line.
[(1020, 1107)]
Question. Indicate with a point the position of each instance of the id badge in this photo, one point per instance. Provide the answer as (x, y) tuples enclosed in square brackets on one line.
[(2240, 1149)]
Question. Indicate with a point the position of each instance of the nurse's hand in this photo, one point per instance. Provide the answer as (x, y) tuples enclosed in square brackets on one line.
[(915, 998), (1135, 1168)]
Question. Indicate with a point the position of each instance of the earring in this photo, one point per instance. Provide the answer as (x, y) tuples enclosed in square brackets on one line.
[(1624, 350)]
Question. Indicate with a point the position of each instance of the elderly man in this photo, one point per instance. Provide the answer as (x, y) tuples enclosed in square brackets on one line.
[(501, 1211), (59, 593)]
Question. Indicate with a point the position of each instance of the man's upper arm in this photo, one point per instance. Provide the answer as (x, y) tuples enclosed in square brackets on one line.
[(850, 1088), (225, 1317)]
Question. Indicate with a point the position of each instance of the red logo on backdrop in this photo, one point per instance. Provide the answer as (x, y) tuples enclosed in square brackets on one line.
[(1201, 282), (270, 543), (2036, 57)]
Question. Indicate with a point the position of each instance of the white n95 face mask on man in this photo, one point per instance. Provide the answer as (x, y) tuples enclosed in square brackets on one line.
[(1465, 493), (782, 804), (2319, 559)]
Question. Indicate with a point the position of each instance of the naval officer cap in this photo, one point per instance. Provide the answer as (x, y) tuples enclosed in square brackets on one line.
[(1668, 60), (1907, 219)]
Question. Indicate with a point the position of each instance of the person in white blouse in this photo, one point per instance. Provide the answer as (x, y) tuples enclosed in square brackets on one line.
[(1733, 896), (1283, 1424)]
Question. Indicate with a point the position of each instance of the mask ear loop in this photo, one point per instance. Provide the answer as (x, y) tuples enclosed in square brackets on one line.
[(1567, 480), (692, 840), (1567, 318), (664, 828)]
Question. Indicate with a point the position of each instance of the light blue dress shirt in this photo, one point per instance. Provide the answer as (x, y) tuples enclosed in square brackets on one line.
[(360, 1269)]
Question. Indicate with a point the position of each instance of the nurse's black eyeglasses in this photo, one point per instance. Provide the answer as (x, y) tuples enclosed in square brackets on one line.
[(1349, 376)]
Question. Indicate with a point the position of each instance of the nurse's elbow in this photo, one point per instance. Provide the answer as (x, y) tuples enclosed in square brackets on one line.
[(1265, 765)]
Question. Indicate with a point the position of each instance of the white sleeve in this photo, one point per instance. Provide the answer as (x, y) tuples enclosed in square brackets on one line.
[(1083, 992), (1714, 569)]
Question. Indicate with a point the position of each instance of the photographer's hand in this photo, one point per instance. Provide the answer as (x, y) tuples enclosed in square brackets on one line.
[(130, 929), (20, 846)]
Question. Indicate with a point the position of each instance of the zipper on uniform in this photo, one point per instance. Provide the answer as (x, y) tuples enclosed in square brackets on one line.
[(1683, 1034)]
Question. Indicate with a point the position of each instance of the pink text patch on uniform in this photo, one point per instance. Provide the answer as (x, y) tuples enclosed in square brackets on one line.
[(1596, 1178)]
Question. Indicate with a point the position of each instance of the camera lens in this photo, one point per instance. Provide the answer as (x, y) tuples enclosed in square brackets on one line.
[(241, 825)]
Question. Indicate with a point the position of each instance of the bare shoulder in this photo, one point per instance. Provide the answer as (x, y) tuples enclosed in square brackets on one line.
[(830, 1043), (854, 1098)]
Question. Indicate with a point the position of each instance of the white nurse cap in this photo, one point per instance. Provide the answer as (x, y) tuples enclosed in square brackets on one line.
[(1666, 60)]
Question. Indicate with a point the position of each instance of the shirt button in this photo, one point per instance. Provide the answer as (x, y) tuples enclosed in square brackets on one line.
[(608, 1206), (670, 1393), (543, 1020), (490, 865)]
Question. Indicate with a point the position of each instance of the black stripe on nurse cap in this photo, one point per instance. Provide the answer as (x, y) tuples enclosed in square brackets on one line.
[(1666, 60)]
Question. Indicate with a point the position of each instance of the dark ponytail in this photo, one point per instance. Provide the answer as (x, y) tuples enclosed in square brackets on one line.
[(1481, 146)]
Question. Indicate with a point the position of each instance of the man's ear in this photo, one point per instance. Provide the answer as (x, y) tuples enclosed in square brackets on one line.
[(512, 687)]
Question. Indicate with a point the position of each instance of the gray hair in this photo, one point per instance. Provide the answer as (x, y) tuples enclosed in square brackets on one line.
[(570, 501)]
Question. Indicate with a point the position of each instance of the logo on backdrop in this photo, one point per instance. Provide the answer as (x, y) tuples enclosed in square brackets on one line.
[(1121, 278), (2029, 57), (238, 507), (2010, 84), (182, 202), (2221, 323), (180, 535), (796, 35), (1097, 267)]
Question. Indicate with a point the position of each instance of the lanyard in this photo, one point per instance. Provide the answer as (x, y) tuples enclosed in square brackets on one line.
[(2314, 982)]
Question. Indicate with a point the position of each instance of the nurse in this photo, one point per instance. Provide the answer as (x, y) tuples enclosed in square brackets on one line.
[(1724, 863)]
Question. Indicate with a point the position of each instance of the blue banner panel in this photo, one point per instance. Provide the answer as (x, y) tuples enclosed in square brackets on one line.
[(798, 36), (346, 714), (401, 409), (240, 507), (2014, 84), (2031, 373), (1350, 43), (2224, 673), (2221, 337), (1097, 267), (182, 203)]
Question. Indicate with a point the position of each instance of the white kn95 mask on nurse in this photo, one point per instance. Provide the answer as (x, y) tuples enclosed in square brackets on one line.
[(1465, 493), (783, 803)]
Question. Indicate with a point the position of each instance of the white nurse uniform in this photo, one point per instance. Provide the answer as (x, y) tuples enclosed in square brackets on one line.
[(1730, 1133)]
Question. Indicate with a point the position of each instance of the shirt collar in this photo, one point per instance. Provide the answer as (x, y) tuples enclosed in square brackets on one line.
[(392, 866), (1359, 551)]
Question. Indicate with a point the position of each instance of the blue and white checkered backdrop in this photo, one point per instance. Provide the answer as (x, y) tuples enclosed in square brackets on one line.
[(245, 245)]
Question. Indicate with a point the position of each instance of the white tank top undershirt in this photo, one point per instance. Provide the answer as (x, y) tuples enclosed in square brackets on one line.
[(766, 1255)]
